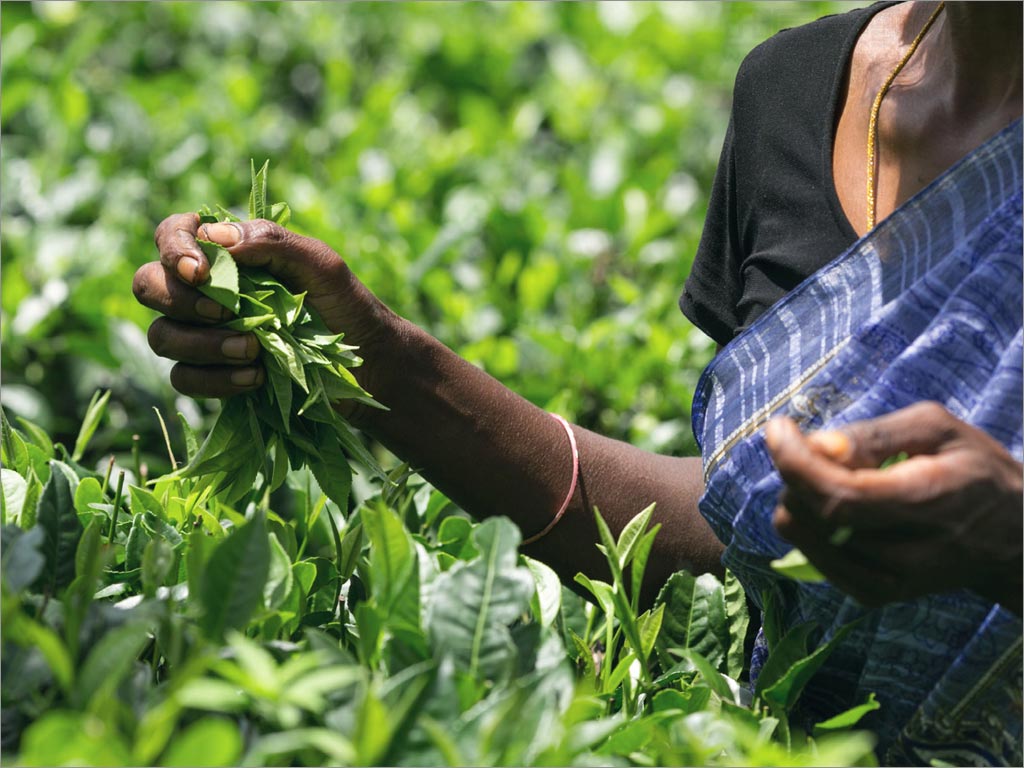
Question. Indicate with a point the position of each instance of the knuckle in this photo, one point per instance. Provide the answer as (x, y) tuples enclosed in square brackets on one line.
[(937, 418), (174, 222), (878, 439), (928, 409), (266, 232)]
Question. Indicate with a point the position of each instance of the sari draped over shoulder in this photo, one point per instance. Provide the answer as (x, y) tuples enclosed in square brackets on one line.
[(928, 306)]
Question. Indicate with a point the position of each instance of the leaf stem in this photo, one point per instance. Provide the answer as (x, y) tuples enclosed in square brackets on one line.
[(106, 477), (117, 505), (137, 459), (338, 555), (167, 439)]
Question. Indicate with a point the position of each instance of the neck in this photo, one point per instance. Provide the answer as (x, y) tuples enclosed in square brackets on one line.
[(984, 43)]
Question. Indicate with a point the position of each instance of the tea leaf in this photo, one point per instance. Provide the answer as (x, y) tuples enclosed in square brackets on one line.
[(475, 603), (87, 494), (210, 741), (13, 451), (648, 626), (718, 682), (14, 491), (109, 661), (157, 559), (695, 616), (72, 738), (279, 576), (280, 213), (630, 536), (135, 546), (258, 193), (222, 285), (233, 579), (795, 565), (61, 528), (547, 601), (191, 442), (37, 435), (93, 414), (738, 620), (21, 558), (849, 718), (789, 675)]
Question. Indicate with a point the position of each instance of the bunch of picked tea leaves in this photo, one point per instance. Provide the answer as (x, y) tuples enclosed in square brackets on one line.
[(290, 419)]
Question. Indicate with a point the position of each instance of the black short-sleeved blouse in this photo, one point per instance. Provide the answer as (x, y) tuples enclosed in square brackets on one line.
[(774, 217)]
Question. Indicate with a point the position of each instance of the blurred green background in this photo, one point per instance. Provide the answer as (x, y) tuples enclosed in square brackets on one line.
[(525, 180)]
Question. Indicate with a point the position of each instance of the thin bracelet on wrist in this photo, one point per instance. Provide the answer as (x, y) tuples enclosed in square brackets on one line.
[(572, 485)]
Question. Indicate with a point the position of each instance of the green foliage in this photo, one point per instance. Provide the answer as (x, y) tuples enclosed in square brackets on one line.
[(532, 194), (411, 639)]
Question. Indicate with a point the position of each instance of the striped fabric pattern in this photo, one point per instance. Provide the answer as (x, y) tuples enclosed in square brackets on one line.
[(928, 306)]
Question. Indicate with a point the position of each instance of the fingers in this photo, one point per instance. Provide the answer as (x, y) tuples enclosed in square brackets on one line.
[(922, 428), (202, 346), (176, 242), (800, 465), (216, 380), (825, 494), (156, 288)]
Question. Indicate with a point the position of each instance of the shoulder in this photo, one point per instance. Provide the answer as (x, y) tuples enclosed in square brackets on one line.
[(801, 54)]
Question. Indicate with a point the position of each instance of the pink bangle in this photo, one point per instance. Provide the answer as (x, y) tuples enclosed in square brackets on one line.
[(572, 485)]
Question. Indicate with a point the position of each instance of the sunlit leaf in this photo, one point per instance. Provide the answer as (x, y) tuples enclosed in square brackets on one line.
[(210, 741), (93, 415), (476, 602)]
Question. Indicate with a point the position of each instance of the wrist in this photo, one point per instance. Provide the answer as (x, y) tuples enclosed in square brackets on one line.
[(384, 350)]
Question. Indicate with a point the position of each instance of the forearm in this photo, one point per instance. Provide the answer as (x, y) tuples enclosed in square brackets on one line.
[(494, 453)]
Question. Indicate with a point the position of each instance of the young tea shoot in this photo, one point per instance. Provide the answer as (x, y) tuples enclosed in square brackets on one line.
[(290, 420)]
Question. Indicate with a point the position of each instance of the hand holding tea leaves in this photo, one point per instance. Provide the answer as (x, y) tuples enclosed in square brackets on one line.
[(305, 363), (947, 517)]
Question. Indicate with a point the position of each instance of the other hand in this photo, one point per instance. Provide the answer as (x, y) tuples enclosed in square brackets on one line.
[(947, 517)]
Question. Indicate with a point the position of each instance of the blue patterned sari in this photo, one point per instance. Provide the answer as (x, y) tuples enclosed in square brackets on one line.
[(926, 307)]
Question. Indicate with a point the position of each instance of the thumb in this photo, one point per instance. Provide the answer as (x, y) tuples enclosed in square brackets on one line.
[(798, 463), (301, 263), (922, 428)]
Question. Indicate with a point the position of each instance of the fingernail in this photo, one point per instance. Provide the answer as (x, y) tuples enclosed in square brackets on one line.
[(237, 348), (244, 377), (210, 309), (187, 268), (225, 234), (773, 432), (834, 444)]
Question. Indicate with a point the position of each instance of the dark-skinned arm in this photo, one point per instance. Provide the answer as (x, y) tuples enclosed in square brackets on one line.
[(488, 449)]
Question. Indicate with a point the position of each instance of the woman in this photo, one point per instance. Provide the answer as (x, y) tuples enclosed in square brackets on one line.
[(791, 181)]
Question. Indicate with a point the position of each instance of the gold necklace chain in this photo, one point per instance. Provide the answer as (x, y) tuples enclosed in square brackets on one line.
[(873, 121)]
